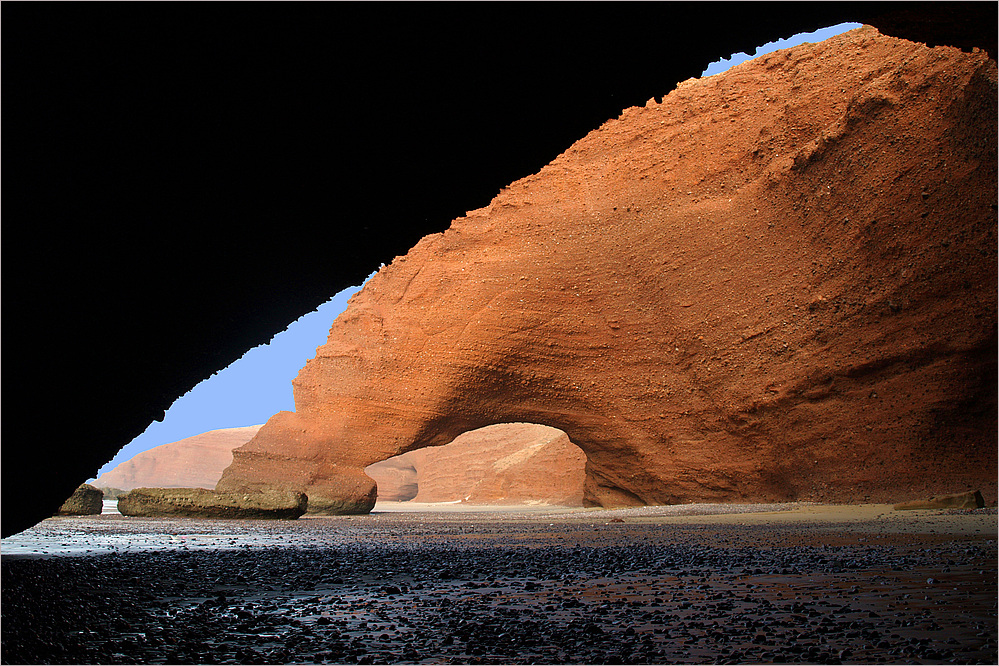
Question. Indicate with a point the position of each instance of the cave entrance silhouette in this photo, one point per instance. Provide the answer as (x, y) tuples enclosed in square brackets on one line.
[(200, 320), (501, 464)]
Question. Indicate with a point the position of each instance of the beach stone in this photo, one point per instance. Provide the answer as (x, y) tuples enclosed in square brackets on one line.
[(346, 505), (201, 503), (85, 501), (968, 500)]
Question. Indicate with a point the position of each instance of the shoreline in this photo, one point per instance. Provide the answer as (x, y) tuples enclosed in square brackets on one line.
[(808, 584), (799, 522)]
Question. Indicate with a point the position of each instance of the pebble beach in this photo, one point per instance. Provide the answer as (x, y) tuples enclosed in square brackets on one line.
[(790, 583)]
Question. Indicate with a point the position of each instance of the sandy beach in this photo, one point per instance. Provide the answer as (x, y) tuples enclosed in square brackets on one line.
[(451, 583)]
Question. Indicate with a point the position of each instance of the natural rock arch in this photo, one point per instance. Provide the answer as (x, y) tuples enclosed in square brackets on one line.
[(742, 292)]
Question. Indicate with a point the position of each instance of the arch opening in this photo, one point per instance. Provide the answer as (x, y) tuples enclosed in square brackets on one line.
[(499, 464)]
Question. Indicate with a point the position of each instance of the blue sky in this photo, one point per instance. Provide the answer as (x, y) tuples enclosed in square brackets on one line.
[(258, 385), (249, 391), (802, 37)]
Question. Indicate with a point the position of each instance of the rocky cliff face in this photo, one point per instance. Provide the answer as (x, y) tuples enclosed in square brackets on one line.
[(778, 283), (194, 462), (396, 478), (506, 463)]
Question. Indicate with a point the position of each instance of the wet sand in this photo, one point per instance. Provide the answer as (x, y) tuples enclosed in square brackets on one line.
[(531, 584)]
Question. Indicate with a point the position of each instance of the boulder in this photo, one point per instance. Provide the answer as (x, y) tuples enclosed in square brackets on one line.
[(968, 500), (778, 283), (201, 503), (85, 501)]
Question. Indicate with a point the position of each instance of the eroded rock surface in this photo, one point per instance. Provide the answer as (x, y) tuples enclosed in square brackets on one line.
[(201, 503), (506, 463), (777, 284), (85, 501), (968, 500), (397, 479), (193, 462)]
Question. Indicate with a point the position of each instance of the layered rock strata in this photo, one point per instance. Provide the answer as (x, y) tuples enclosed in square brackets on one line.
[(779, 283), (201, 503), (193, 462), (506, 463), (85, 501)]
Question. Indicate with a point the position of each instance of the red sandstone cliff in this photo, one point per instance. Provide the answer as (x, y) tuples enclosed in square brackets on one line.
[(779, 283), (396, 478), (506, 463), (194, 462)]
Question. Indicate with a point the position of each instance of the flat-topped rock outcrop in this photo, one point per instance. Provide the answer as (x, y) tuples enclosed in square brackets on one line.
[(192, 462), (201, 503), (506, 463), (778, 283)]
